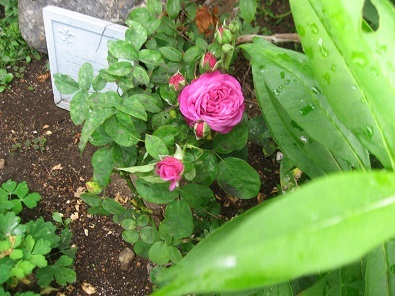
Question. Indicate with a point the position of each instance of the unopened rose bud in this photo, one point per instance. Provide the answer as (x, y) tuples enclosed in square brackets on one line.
[(177, 81), (234, 27), (201, 129), (208, 62), (223, 35)]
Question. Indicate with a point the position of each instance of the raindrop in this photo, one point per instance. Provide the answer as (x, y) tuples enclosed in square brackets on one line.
[(323, 50), (327, 78), (392, 268), (262, 68), (277, 91), (306, 110), (369, 131), (286, 82), (309, 52), (316, 90), (374, 72), (295, 125), (303, 139), (282, 74), (301, 31), (359, 58), (381, 49), (314, 29), (333, 68), (363, 101)]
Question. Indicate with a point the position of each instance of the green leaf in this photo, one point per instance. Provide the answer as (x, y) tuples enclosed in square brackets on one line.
[(143, 220), (9, 186), (31, 200), (206, 168), (178, 219), (151, 103), (128, 224), (39, 229), (65, 84), (113, 207), (103, 165), (141, 75), (139, 169), (174, 254), (125, 137), (173, 8), (192, 54), (9, 225), (380, 266), (248, 10), (140, 15), (236, 139), (150, 57), (154, 6), (130, 236), (238, 178), (290, 77), (155, 146), (329, 31), (196, 195), (171, 53), (98, 83), (149, 234), (120, 68), (136, 35), (95, 118), (167, 133), (85, 76), (133, 107), (350, 218), (122, 49), (79, 107), (159, 253), (21, 190), (155, 192)]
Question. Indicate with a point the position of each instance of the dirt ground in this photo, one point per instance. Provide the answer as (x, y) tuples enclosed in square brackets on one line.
[(58, 171)]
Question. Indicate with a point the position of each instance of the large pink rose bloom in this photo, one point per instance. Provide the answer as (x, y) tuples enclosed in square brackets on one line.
[(214, 98), (170, 169)]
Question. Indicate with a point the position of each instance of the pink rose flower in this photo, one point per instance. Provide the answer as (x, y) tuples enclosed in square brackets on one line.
[(176, 81), (214, 98), (170, 169)]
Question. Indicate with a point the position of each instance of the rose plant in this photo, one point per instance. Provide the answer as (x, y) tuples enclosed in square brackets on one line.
[(174, 126)]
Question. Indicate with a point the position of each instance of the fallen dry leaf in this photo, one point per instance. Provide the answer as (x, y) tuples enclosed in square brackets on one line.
[(205, 20), (57, 167), (43, 77), (45, 126), (88, 288), (79, 191), (48, 133)]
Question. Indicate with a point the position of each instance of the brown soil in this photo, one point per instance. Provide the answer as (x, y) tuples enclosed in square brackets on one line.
[(59, 171)]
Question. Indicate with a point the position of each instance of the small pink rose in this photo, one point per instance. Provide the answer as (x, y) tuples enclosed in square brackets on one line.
[(201, 129), (214, 98), (208, 62), (170, 169), (177, 81)]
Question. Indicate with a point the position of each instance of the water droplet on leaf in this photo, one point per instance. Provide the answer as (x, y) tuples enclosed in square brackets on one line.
[(314, 29), (392, 268), (282, 74), (369, 131), (359, 58), (316, 90), (333, 68), (323, 50), (306, 110)]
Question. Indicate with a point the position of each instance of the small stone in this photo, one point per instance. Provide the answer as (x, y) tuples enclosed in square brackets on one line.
[(2, 163), (126, 257)]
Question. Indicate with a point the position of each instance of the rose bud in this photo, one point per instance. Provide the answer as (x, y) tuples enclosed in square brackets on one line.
[(208, 62), (177, 81), (234, 27), (170, 169), (223, 35), (201, 129)]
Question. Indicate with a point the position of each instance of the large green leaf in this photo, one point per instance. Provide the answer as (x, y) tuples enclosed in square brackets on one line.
[(355, 68), (289, 76), (95, 118), (380, 270), (330, 222)]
